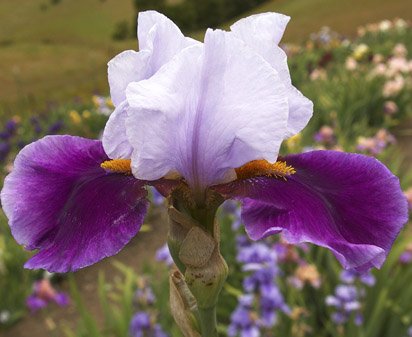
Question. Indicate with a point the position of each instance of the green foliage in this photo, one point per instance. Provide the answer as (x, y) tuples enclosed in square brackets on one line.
[(15, 282), (198, 14), (118, 303), (351, 101), (122, 31)]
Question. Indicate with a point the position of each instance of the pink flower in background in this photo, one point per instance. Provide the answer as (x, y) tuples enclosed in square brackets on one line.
[(351, 63), (393, 87), (318, 74), (375, 145), (390, 108), (378, 58), (397, 65), (326, 135), (400, 50), (379, 70)]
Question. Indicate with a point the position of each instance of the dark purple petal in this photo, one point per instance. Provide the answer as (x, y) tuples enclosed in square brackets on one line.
[(60, 201), (349, 203)]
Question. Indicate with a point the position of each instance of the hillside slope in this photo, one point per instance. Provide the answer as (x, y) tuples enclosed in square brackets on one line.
[(59, 51), (343, 16)]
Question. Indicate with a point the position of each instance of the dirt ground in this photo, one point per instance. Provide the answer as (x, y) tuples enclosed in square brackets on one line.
[(48, 323)]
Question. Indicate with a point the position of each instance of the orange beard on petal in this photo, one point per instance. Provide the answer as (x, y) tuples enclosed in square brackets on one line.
[(117, 166), (258, 168)]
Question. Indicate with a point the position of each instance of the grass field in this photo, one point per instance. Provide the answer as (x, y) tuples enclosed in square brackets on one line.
[(344, 16), (59, 51), (56, 52)]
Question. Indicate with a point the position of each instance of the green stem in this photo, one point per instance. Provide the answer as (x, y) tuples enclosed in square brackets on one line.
[(208, 322)]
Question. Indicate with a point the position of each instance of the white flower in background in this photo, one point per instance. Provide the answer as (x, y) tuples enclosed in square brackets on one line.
[(397, 65), (351, 63), (379, 70), (4, 316), (377, 58), (400, 50), (393, 87), (385, 25), (318, 74), (103, 105), (400, 24), (361, 31)]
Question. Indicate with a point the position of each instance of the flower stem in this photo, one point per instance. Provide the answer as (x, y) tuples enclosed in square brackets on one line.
[(208, 322), (194, 242)]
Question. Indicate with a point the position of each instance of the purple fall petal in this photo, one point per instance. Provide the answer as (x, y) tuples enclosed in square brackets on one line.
[(349, 203), (60, 201)]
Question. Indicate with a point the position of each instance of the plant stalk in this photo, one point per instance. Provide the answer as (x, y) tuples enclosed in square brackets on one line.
[(208, 322)]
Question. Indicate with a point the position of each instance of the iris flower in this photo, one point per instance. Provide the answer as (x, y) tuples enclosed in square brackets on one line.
[(209, 117)]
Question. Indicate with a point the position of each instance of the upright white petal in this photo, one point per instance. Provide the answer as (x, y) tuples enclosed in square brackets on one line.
[(115, 142), (262, 33), (159, 41), (161, 37), (128, 66), (211, 109)]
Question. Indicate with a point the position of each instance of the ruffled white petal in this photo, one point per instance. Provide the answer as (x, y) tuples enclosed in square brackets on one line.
[(126, 67), (115, 142), (161, 37), (209, 110), (262, 33), (160, 40)]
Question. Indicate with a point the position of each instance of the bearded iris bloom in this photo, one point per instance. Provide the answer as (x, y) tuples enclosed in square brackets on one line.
[(206, 118)]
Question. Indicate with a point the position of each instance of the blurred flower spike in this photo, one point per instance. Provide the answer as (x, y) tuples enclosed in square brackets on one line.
[(207, 119), (43, 294)]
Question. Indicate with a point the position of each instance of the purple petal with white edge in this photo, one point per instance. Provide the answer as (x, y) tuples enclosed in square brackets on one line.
[(115, 142), (60, 201), (209, 110), (262, 33), (349, 203)]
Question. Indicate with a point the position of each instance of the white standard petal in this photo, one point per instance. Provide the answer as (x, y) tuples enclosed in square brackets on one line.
[(158, 34), (265, 27), (126, 67), (262, 33), (160, 40), (115, 142), (209, 110)]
